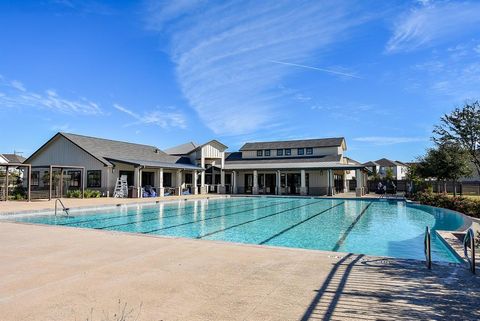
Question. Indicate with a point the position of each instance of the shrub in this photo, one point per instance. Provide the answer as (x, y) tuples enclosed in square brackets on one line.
[(90, 193), (74, 193), (464, 205)]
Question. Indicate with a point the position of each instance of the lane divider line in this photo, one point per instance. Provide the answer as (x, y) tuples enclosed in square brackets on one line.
[(299, 223)]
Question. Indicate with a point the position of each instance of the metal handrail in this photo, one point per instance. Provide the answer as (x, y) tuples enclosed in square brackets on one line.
[(428, 248), (65, 209), (469, 241)]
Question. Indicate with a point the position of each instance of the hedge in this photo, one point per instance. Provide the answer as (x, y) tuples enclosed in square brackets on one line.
[(468, 206)]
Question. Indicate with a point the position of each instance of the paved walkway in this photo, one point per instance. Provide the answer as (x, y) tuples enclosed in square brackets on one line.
[(60, 273)]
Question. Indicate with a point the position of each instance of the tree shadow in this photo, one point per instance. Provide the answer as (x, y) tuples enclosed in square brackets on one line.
[(361, 288)]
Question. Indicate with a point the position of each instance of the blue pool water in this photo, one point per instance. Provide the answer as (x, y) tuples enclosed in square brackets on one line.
[(384, 228)]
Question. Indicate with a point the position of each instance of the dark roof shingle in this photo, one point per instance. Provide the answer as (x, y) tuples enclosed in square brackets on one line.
[(321, 142)]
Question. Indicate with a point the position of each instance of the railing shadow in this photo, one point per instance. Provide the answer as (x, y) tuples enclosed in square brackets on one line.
[(358, 288)]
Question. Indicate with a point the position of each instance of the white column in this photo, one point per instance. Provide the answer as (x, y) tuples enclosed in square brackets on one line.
[(221, 188), (359, 179), (278, 184), (234, 182), (195, 188), (161, 190), (202, 178), (179, 182), (330, 190), (136, 182), (255, 183), (303, 183)]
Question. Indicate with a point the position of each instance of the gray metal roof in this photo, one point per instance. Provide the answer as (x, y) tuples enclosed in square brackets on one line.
[(303, 143), (105, 149), (183, 149)]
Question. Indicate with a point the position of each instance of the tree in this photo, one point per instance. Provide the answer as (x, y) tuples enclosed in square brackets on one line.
[(389, 174), (445, 162), (462, 126)]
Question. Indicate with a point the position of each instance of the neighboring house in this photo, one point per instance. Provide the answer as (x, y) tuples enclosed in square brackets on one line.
[(88, 162), (399, 169), (15, 173), (11, 158)]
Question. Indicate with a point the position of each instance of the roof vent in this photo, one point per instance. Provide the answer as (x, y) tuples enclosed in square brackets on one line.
[(157, 151)]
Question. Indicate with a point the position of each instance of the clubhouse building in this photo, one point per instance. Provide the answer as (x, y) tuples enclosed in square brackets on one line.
[(297, 167)]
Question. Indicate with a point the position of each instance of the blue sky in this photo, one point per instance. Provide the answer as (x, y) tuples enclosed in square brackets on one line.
[(379, 73)]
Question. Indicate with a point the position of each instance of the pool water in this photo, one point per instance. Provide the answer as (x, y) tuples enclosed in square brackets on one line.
[(383, 228)]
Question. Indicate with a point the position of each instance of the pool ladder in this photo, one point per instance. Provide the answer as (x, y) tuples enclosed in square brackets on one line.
[(427, 242), (64, 209), (469, 246)]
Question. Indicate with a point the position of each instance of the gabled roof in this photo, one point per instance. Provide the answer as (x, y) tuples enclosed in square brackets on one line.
[(183, 149), (387, 162), (106, 150), (189, 147), (303, 143), (370, 164), (13, 158)]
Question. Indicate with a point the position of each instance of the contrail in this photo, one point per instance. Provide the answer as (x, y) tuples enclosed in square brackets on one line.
[(315, 68)]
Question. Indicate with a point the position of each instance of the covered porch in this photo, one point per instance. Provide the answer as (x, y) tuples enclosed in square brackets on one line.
[(156, 179), (327, 181)]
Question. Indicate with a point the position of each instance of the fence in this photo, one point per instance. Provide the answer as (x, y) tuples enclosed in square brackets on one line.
[(462, 188)]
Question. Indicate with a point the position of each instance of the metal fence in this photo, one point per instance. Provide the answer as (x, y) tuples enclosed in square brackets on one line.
[(462, 188)]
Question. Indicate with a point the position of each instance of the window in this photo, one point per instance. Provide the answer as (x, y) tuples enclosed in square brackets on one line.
[(300, 151), (75, 178), (309, 151), (288, 152), (35, 178), (94, 178), (267, 152), (259, 153), (279, 152)]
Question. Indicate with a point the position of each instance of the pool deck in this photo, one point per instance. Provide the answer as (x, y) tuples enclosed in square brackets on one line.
[(61, 273)]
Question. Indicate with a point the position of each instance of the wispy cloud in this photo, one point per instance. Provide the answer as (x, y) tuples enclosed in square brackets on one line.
[(223, 53), (434, 23), (13, 94), (166, 118), (385, 140), (330, 71), (453, 73)]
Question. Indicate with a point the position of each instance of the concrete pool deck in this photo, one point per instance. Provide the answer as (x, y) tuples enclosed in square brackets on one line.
[(60, 273)]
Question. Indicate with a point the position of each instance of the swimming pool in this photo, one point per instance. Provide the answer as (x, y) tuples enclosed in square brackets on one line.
[(384, 228)]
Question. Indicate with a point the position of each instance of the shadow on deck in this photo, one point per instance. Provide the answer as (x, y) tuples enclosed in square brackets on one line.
[(382, 289)]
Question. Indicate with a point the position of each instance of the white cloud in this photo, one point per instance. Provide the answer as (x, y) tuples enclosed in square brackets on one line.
[(163, 118), (14, 94), (223, 53), (385, 140), (18, 85), (434, 23)]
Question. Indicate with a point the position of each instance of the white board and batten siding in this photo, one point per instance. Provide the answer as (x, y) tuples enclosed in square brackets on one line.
[(211, 151)]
